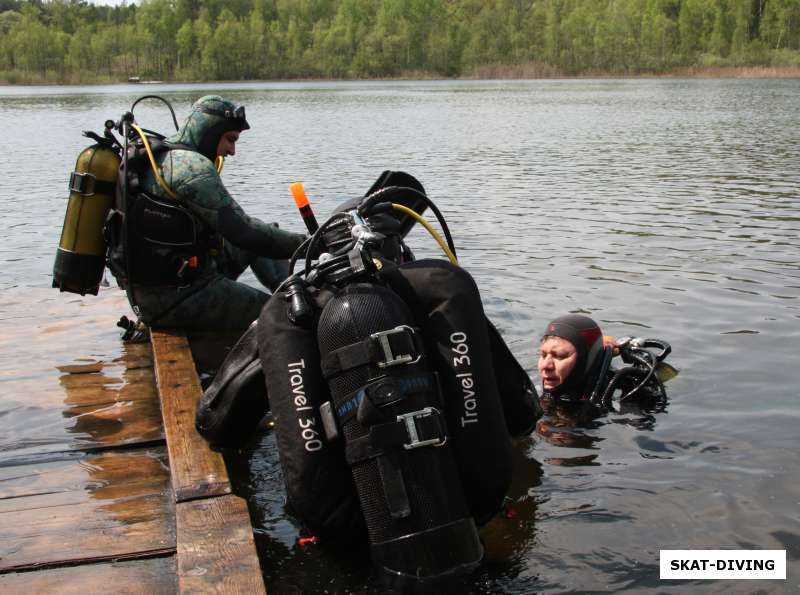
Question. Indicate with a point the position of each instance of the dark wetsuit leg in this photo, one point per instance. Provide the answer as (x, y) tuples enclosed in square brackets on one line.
[(222, 304)]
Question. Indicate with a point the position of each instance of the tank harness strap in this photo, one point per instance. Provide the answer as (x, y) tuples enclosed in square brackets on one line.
[(87, 184), (416, 429), (400, 345), (425, 427)]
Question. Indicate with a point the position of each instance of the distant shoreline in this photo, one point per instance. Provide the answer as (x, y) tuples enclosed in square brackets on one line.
[(490, 72), (529, 71)]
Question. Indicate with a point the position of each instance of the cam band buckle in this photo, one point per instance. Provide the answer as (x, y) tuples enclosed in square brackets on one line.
[(391, 358), (79, 182), (410, 421)]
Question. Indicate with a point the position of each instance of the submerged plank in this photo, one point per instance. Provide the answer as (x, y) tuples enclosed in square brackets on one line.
[(92, 507), (98, 405), (73, 425), (216, 550), (112, 379), (196, 470), (155, 576)]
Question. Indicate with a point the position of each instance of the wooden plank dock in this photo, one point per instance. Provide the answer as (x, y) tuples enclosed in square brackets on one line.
[(105, 484)]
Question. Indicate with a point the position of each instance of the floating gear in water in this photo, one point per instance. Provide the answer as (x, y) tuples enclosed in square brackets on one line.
[(393, 396), (639, 378)]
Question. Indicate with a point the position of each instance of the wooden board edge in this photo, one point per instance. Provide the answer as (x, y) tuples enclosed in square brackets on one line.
[(215, 547), (206, 476)]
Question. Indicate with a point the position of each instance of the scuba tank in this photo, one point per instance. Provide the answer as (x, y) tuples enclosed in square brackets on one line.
[(97, 209), (388, 417), (80, 259)]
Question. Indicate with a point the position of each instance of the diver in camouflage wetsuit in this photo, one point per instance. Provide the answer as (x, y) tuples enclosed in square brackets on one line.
[(209, 298)]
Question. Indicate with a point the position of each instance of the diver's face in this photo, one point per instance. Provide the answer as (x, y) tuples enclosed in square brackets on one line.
[(557, 358), (227, 143)]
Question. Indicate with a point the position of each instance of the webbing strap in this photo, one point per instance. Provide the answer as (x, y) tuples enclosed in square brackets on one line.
[(394, 487), (401, 345), (412, 430), (87, 184)]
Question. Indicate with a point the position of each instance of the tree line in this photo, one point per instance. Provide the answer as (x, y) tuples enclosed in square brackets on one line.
[(181, 40)]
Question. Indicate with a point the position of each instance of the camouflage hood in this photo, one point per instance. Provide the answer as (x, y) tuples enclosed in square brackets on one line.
[(210, 118)]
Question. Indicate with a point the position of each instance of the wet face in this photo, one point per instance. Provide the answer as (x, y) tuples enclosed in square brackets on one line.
[(557, 358), (227, 143)]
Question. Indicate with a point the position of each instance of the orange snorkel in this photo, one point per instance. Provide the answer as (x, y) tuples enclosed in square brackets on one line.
[(301, 200)]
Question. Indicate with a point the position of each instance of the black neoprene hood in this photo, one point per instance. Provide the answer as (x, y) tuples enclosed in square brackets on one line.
[(587, 338), (210, 140)]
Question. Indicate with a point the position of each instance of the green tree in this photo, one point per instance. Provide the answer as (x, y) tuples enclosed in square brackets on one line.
[(694, 25), (185, 42), (781, 24)]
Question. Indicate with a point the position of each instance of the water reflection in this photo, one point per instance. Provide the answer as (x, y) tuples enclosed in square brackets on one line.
[(115, 405), (577, 424)]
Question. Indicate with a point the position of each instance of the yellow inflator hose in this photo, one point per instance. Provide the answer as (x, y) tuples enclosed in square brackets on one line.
[(427, 226), (156, 170)]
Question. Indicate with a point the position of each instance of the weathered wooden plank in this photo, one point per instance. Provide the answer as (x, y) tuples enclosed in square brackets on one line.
[(96, 507), (157, 576), (216, 550), (196, 470)]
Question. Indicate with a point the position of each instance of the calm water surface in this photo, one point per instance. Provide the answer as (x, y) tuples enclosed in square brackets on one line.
[(663, 208)]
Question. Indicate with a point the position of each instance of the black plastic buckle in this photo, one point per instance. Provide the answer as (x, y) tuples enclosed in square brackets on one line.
[(78, 182), (391, 358), (410, 421)]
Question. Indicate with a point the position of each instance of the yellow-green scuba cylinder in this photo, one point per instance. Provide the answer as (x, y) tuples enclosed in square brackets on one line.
[(80, 259)]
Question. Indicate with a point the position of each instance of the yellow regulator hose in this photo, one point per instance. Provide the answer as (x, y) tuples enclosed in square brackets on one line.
[(156, 170), (426, 225)]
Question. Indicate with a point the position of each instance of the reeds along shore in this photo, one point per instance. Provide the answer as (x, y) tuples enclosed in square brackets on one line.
[(528, 71), (537, 70)]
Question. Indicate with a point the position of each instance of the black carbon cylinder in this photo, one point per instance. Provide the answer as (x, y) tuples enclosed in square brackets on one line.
[(319, 486), (438, 539)]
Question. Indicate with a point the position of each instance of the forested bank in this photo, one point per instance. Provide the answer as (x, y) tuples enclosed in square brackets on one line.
[(181, 40)]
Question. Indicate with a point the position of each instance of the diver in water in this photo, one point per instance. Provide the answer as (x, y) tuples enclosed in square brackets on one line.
[(575, 365), (579, 385), (569, 354), (203, 292)]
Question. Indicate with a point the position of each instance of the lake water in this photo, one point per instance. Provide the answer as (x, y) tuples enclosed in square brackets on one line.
[(662, 208)]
